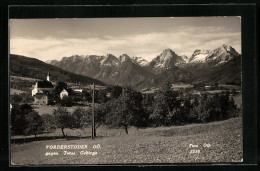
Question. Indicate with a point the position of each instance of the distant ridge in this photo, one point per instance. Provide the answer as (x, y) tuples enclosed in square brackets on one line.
[(33, 68)]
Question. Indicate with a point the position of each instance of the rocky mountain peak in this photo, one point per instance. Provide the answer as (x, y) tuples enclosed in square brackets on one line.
[(168, 52), (110, 60), (167, 59), (222, 54), (124, 58)]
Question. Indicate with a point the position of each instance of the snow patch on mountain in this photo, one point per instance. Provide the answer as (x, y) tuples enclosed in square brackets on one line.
[(139, 60), (199, 55)]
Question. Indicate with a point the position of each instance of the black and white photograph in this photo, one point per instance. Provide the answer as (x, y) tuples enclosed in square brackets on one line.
[(137, 90)]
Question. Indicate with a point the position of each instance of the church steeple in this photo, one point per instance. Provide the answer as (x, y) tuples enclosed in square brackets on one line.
[(48, 77)]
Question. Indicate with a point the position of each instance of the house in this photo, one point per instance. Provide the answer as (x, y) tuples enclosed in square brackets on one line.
[(42, 98), (208, 87), (63, 93), (77, 90), (42, 91)]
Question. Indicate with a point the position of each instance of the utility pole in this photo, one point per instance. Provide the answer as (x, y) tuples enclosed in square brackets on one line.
[(93, 115)]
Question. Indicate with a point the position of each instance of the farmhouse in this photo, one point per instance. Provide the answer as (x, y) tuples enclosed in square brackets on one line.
[(42, 98)]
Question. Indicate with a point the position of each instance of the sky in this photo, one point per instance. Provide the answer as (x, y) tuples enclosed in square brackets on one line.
[(52, 39)]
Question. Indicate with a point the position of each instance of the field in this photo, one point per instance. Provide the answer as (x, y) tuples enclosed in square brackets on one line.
[(15, 91), (230, 87), (215, 91), (181, 85), (23, 78), (49, 109), (211, 142)]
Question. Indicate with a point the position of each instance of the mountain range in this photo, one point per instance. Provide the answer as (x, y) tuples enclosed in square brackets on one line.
[(202, 65), (221, 65)]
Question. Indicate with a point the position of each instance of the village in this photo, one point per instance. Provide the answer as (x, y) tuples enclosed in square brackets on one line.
[(49, 93), (46, 93)]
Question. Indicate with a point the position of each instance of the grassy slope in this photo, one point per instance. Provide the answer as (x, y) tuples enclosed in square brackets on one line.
[(151, 145)]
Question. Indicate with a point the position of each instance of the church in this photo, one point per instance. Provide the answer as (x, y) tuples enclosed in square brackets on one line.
[(42, 91)]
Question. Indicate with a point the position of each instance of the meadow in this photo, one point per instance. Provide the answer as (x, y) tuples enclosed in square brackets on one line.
[(49, 109), (194, 143), (15, 91)]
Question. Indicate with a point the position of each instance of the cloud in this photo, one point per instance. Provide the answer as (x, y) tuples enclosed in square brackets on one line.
[(183, 40)]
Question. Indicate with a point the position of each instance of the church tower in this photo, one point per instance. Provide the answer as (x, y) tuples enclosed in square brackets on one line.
[(48, 77)]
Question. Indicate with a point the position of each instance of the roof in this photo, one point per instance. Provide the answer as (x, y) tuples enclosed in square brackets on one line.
[(40, 95), (64, 91), (44, 84)]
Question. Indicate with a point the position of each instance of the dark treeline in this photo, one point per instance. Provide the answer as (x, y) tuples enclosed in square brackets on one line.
[(126, 107)]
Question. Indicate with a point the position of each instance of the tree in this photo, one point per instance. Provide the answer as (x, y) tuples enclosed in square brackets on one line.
[(63, 119), (216, 107), (34, 123), (26, 98), (58, 88), (86, 96), (161, 110), (18, 118), (185, 111), (233, 111), (16, 99), (116, 91), (80, 117), (166, 106), (101, 97), (66, 101), (125, 110), (48, 122), (148, 104), (209, 108), (233, 91), (214, 86), (100, 116)]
